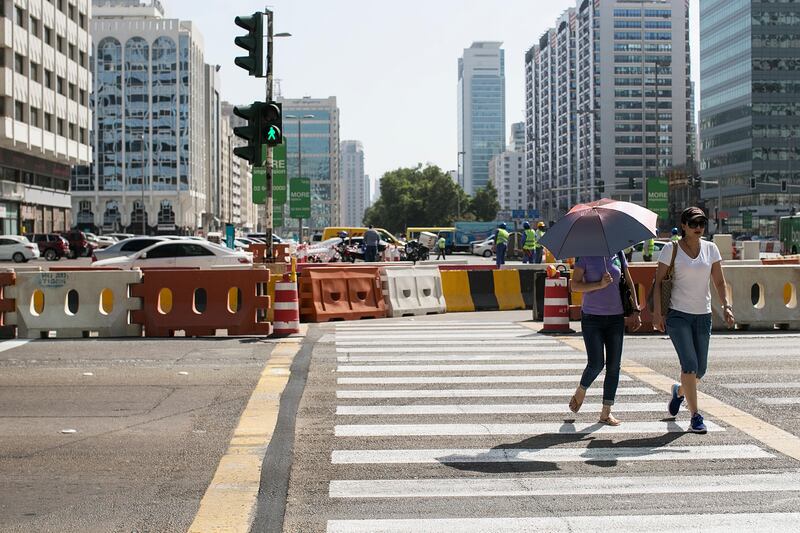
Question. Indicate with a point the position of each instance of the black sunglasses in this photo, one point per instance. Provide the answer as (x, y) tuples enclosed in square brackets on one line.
[(694, 224)]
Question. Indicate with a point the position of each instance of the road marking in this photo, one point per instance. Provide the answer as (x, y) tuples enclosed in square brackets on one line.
[(562, 486), (768, 434), (410, 358), (457, 368), (438, 334), (14, 343), (403, 343), (774, 385), (483, 393), (422, 380), (550, 455), (488, 409), (519, 347), (229, 503), (712, 523), (780, 401), (541, 428), (412, 323)]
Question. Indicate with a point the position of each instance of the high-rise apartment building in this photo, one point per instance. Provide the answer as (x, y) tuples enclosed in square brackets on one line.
[(750, 111), (481, 111), (516, 142), (236, 177), (507, 173), (44, 110), (608, 102), (151, 128), (355, 185), (319, 152)]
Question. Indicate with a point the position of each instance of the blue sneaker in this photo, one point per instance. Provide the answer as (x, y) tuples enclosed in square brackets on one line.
[(675, 403), (697, 426)]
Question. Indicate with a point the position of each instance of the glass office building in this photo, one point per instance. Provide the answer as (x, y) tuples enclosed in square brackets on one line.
[(149, 139), (320, 156), (481, 111), (750, 111)]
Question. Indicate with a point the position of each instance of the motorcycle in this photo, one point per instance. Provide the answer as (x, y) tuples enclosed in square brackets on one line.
[(414, 251)]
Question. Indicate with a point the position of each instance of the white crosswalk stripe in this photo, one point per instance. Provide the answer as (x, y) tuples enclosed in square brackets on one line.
[(421, 380), (483, 393), (429, 363)]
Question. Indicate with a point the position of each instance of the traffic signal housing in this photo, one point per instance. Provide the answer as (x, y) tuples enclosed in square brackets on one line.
[(784, 186), (752, 183), (253, 43), (272, 123), (252, 133)]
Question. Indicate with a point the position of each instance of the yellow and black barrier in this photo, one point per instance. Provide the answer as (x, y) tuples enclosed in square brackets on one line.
[(488, 290)]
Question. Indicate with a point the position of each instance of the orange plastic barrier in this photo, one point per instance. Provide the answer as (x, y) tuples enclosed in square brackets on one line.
[(7, 305), (786, 260), (280, 252), (203, 301), (643, 276), (341, 293), (259, 252)]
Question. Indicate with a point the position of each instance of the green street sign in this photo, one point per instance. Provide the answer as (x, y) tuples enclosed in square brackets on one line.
[(747, 220), (259, 185), (277, 216), (278, 174), (658, 197), (300, 198)]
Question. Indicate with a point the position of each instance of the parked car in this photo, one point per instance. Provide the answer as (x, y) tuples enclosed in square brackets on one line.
[(17, 248), (120, 236), (126, 247), (483, 248), (104, 241), (51, 245), (179, 254), (79, 245), (638, 256)]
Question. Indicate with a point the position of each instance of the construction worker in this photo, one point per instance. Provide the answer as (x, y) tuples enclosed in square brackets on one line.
[(529, 242), (441, 245), (538, 251), (675, 236), (649, 248), (501, 244), (628, 254)]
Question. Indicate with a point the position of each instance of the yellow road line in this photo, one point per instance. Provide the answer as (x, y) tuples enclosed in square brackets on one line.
[(229, 503), (769, 435)]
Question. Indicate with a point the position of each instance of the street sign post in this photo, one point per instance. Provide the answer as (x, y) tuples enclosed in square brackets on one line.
[(278, 174), (259, 185)]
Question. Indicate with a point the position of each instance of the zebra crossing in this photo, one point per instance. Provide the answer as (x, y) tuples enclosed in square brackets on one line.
[(464, 426)]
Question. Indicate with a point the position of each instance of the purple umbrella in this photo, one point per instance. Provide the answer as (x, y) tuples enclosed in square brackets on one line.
[(600, 228)]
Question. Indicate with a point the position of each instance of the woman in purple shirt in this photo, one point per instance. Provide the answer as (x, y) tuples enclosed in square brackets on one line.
[(603, 326)]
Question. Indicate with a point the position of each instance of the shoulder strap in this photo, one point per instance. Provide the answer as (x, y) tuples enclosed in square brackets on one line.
[(674, 255), (622, 263)]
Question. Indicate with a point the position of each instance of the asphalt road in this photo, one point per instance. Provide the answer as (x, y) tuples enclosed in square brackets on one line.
[(460, 423), (151, 419)]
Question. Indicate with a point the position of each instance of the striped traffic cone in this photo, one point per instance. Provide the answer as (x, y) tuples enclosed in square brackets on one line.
[(556, 306), (286, 319)]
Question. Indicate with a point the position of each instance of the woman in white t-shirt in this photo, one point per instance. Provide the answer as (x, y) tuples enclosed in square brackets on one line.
[(688, 322)]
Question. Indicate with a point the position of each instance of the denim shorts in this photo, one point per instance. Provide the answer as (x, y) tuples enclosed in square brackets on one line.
[(690, 334)]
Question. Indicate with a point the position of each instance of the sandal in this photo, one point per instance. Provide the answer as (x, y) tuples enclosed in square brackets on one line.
[(609, 420), (574, 405)]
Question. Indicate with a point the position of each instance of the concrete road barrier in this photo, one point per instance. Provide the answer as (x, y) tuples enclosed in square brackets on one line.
[(413, 291)]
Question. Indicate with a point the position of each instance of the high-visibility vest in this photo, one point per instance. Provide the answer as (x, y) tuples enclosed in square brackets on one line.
[(676, 238), (441, 243), (650, 247), (539, 234), (502, 236), (530, 240)]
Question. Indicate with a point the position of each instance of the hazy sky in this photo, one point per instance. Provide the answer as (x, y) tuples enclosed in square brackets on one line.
[(391, 65)]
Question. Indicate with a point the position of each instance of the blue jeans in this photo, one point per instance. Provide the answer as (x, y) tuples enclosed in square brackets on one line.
[(370, 254), (500, 258), (527, 256), (603, 332), (690, 335)]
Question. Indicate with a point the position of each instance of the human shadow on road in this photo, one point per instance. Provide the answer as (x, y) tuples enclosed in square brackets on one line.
[(598, 451)]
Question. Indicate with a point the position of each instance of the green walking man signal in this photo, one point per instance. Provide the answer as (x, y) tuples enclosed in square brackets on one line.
[(264, 122)]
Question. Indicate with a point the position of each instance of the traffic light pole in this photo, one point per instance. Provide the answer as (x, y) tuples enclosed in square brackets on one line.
[(268, 163)]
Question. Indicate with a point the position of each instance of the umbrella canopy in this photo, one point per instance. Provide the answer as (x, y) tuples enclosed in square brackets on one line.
[(600, 228)]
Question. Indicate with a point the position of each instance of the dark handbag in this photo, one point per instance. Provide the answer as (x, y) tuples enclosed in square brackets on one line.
[(666, 286), (628, 303)]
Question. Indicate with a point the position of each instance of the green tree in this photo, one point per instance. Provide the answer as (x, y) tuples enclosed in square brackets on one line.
[(484, 204), (419, 196)]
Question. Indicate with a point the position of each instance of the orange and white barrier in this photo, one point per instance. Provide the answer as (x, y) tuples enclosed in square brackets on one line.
[(556, 306), (286, 308)]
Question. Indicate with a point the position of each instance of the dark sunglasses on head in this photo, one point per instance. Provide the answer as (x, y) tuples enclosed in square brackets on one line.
[(694, 224)]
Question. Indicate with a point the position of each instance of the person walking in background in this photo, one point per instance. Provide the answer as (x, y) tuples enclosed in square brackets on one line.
[(648, 248), (371, 240), (529, 242), (539, 250), (628, 254), (602, 325), (688, 321), (500, 244), (441, 245), (675, 237)]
